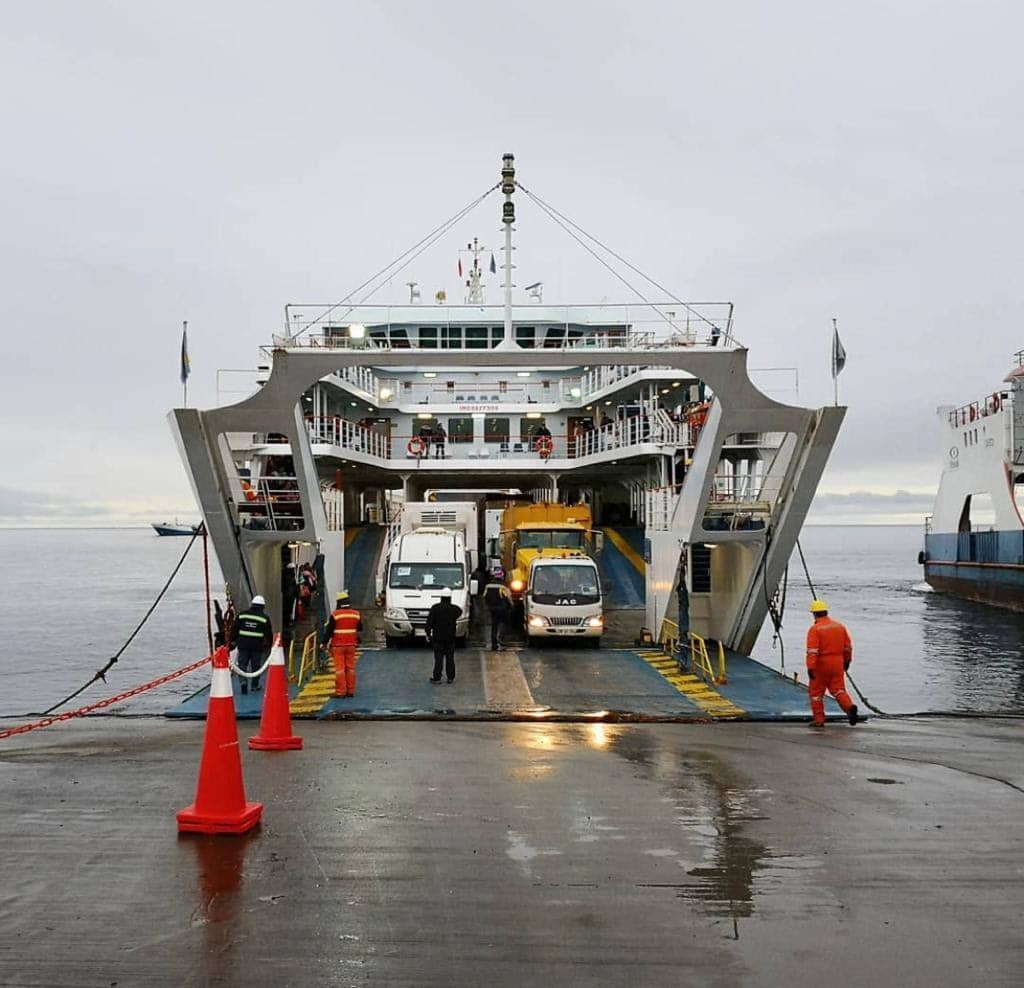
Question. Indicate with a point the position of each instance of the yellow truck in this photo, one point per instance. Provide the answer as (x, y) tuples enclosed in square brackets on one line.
[(546, 553)]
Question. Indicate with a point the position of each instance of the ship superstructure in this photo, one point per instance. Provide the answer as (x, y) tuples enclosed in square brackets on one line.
[(645, 412), (974, 538)]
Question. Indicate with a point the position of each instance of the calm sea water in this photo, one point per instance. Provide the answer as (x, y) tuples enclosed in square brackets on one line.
[(68, 600)]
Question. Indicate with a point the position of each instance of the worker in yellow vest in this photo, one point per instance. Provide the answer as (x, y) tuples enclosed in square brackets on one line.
[(342, 635)]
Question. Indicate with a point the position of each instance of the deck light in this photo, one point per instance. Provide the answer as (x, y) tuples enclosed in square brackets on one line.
[(353, 403), (430, 373), (675, 384), (424, 415), (522, 373), (386, 394), (533, 415), (357, 331)]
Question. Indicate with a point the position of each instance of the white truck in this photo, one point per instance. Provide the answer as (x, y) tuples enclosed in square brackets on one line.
[(563, 599), (434, 551)]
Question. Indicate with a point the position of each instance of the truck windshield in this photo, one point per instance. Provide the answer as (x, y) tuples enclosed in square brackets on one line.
[(417, 576), (565, 580), (571, 538)]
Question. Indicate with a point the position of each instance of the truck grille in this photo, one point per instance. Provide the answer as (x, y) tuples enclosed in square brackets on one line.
[(417, 614), (564, 622)]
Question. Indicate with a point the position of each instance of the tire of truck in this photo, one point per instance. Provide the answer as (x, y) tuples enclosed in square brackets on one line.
[(390, 641), (460, 642), (593, 643)]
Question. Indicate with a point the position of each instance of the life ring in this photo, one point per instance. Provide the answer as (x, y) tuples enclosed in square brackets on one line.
[(973, 413), (250, 494), (544, 446), (996, 404), (416, 446)]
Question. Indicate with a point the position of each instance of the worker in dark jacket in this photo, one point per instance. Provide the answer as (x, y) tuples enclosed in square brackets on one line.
[(499, 606), (252, 635), (441, 624)]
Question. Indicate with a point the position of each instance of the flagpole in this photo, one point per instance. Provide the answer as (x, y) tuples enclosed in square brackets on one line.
[(835, 373), (184, 376)]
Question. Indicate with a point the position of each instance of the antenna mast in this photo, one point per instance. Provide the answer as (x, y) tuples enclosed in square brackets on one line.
[(508, 217)]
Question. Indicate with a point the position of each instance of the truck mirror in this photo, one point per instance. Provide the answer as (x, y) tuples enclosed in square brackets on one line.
[(474, 588), (598, 541), (379, 587), (492, 547)]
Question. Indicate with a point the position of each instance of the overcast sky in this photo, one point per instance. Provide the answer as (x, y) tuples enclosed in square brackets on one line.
[(213, 161)]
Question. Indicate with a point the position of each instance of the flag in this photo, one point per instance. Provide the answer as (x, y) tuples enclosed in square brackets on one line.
[(460, 267), (494, 267), (838, 352), (186, 365)]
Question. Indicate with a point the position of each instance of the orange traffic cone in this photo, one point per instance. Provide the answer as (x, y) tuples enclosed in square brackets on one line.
[(275, 733), (220, 806)]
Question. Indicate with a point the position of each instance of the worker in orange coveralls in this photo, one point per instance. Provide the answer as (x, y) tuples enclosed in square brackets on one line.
[(342, 632), (829, 654)]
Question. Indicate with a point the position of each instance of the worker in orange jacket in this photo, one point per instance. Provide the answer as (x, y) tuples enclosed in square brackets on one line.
[(829, 654), (342, 633)]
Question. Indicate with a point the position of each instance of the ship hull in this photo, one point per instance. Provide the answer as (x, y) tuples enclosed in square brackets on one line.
[(985, 584)]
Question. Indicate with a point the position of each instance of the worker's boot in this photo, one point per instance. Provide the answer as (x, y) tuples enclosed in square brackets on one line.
[(852, 716)]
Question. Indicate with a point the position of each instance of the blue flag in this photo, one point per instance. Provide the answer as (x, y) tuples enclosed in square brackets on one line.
[(186, 366), (494, 267)]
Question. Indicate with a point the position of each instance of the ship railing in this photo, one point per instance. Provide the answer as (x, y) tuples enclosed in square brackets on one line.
[(334, 508), (736, 502), (337, 431), (668, 323), (700, 659), (271, 504), (966, 414), (669, 637), (362, 378)]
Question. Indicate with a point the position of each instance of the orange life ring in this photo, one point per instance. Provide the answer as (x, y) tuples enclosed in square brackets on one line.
[(996, 404), (416, 446), (973, 413), (544, 445), (250, 494)]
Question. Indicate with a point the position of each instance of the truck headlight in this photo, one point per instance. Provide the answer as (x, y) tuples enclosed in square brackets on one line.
[(597, 621), (395, 614), (516, 585), (537, 622)]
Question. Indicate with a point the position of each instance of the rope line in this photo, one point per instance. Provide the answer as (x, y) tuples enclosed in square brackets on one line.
[(426, 242), (101, 673), (249, 675), (102, 704), (661, 288)]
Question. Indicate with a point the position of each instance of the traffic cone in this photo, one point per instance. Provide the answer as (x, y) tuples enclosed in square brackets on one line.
[(275, 733), (220, 806)]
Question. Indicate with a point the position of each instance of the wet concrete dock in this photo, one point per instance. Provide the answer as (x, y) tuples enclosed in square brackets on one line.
[(508, 853)]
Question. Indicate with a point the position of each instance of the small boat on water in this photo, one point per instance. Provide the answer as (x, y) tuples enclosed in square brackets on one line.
[(974, 538), (174, 528)]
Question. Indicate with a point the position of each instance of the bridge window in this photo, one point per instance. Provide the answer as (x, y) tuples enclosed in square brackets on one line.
[(496, 430)]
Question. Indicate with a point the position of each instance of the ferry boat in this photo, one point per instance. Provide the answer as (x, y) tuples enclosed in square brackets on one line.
[(646, 412), (974, 538), (174, 528)]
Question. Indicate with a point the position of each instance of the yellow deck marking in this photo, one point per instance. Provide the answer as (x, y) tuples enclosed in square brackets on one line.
[(627, 550), (317, 690), (350, 534), (695, 689)]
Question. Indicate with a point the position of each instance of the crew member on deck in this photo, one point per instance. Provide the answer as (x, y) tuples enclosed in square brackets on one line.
[(442, 622), (499, 605), (252, 634), (829, 654), (342, 632)]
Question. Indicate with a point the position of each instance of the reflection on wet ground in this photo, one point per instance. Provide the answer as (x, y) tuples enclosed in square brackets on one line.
[(726, 867)]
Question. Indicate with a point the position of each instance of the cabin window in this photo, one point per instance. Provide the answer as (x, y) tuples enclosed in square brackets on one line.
[(460, 429), (525, 336), (496, 430), (527, 427), (428, 337), (497, 335), (451, 337)]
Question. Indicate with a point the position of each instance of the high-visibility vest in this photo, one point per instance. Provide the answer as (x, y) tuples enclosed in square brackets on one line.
[(346, 624), (252, 625)]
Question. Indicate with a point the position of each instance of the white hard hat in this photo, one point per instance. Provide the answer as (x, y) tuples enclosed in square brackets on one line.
[(258, 599)]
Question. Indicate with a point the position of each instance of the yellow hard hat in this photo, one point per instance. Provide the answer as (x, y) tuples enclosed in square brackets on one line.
[(342, 596), (818, 607)]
